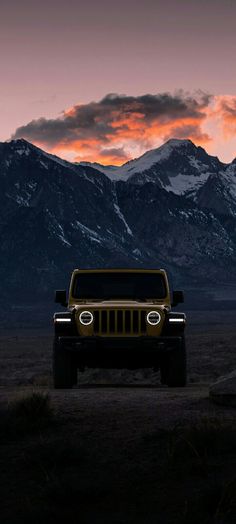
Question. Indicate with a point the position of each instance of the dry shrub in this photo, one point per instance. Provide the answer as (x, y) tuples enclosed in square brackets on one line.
[(26, 414)]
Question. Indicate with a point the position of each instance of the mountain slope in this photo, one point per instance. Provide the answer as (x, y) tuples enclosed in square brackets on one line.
[(178, 166), (56, 215), (219, 192)]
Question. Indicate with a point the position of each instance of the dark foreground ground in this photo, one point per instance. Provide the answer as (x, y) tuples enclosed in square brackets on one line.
[(119, 448)]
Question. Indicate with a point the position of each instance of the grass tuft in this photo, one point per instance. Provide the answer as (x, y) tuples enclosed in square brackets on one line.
[(207, 437), (196, 447), (27, 414)]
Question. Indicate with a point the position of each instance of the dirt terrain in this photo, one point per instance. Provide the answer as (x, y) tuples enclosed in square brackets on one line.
[(118, 448)]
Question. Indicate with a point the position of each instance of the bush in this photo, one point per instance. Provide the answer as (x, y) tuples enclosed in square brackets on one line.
[(26, 414)]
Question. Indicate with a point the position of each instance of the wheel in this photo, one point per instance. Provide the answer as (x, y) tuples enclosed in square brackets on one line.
[(64, 374), (173, 368)]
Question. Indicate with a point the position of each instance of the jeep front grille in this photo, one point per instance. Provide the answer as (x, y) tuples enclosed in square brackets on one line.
[(119, 322)]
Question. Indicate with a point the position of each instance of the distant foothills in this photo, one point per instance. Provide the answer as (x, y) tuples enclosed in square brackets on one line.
[(174, 207)]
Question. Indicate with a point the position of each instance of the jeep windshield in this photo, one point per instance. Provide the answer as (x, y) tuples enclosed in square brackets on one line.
[(134, 286)]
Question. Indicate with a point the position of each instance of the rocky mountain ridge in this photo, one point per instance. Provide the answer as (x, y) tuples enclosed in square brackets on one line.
[(177, 212)]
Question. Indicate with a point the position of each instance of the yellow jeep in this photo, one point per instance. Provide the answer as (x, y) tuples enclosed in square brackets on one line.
[(119, 318)]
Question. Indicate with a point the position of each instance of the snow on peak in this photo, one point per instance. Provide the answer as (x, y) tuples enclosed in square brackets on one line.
[(186, 184), (143, 163), (21, 146), (177, 166), (189, 167)]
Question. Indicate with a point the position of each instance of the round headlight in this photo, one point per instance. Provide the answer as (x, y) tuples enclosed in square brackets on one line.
[(86, 318), (153, 318)]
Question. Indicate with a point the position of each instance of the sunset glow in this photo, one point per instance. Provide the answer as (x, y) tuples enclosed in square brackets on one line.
[(119, 128), (106, 81)]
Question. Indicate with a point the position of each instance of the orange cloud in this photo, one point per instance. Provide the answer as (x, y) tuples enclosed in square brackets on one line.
[(117, 127), (225, 112)]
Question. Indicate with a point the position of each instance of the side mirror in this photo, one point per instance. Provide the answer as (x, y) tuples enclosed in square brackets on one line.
[(60, 297), (178, 298)]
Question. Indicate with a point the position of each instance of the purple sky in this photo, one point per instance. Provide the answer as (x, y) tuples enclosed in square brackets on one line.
[(56, 54)]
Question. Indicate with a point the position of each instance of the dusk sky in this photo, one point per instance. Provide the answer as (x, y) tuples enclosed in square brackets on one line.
[(107, 80)]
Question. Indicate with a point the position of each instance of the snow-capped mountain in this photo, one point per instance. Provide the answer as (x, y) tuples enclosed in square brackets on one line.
[(178, 166), (177, 212)]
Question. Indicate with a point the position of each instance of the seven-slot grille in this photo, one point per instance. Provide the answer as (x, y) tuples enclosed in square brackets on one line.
[(119, 321)]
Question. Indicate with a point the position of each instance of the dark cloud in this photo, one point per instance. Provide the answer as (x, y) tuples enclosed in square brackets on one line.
[(185, 131), (225, 110), (118, 152), (101, 119), (107, 128), (227, 106)]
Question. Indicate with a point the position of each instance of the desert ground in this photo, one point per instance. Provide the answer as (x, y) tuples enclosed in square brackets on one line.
[(119, 447)]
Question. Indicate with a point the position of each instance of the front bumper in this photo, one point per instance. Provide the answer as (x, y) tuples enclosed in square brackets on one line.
[(131, 352)]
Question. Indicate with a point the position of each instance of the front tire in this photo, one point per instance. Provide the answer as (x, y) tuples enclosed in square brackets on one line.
[(173, 368), (63, 368)]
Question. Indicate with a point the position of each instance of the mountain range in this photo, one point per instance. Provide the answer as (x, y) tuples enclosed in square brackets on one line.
[(174, 207)]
